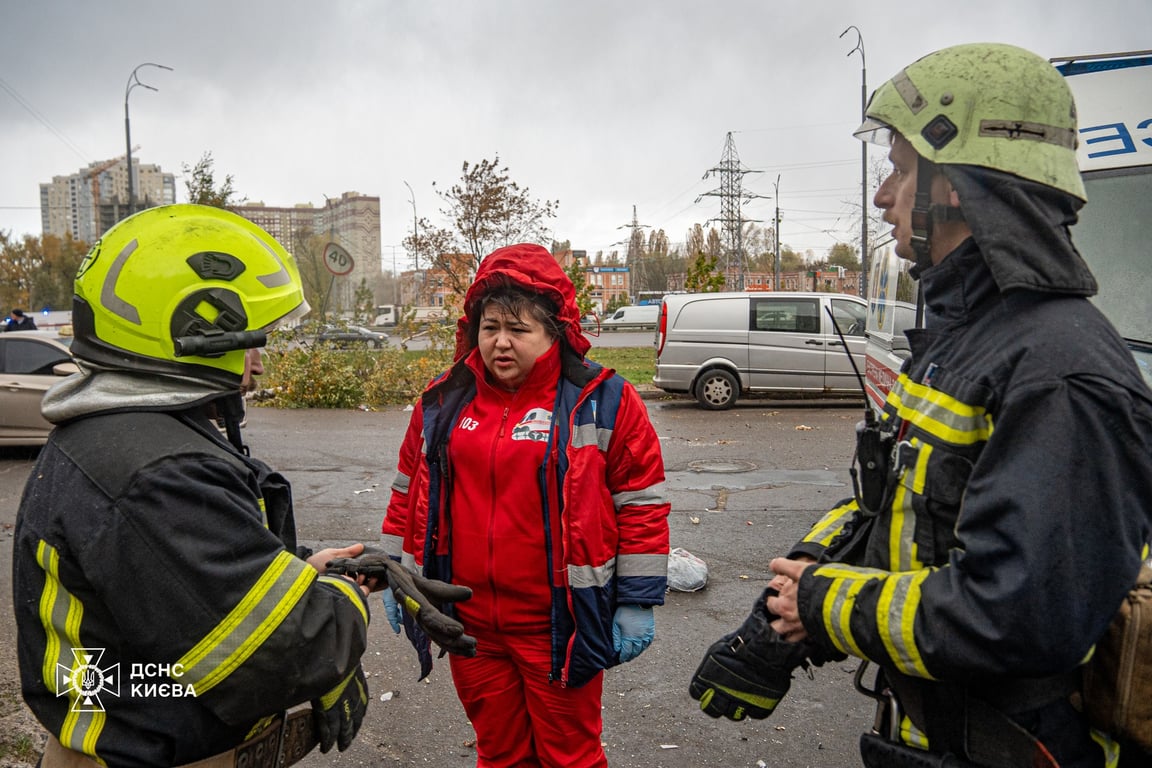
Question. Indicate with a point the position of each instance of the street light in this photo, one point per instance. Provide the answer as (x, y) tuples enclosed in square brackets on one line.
[(133, 81), (415, 227), (776, 285), (415, 240), (863, 163)]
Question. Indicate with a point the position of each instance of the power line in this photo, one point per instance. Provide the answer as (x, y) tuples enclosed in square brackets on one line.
[(43, 120)]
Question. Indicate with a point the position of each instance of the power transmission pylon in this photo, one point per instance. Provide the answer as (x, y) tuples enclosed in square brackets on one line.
[(732, 221), (634, 259)]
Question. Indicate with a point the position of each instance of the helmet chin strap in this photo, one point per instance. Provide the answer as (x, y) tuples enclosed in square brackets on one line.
[(925, 214), (231, 410)]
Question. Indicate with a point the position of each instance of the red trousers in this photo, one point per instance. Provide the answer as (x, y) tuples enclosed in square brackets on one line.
[(521, 720)]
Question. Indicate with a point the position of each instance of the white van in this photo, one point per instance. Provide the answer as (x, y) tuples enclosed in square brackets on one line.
[(718, 346), (632, 317)]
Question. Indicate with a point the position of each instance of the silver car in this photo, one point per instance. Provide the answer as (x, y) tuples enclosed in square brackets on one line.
[(30, 363), (719, 346)]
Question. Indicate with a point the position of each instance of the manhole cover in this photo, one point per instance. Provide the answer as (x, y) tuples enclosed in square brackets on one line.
[(714, 465)]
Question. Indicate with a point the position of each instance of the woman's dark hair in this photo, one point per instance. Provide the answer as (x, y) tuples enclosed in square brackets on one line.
[(515, 301)]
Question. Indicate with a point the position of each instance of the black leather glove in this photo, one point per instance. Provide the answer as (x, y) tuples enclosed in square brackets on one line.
[(747, 672), (419, 596), (339, 712)]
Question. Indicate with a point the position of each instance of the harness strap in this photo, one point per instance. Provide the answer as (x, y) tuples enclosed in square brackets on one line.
[(981, 728)]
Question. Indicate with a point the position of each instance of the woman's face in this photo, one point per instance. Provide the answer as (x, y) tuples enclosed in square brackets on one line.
[(509, 345)]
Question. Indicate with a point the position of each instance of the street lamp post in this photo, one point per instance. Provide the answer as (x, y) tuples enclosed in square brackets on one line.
[(395, 283), (133, 81), (863, 163), (776, 286), (415, 240)]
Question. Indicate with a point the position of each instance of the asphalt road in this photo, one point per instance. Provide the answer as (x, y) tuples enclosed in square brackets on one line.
[(744, 485)]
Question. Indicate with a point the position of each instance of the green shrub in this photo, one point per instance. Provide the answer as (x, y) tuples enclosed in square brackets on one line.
[(298, 374), (302, 375), (314, 378)]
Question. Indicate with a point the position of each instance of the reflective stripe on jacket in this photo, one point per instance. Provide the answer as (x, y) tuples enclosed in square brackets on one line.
[(602, 435)]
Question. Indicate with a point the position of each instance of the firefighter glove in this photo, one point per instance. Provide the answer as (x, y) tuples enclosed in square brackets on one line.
[(421, 598), (747, 672), (339, 712), (633, 627)]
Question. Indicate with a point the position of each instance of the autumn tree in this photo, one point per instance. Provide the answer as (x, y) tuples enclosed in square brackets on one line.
[(759, 247), (662, 263), (575, 272), (844, 255), (486, 210), (17, 266), (39, 271), (364, 302), (704, 275), (694, 241), (790, 260), (201, 185)]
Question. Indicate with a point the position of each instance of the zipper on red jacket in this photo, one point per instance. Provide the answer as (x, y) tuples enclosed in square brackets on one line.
[(489, 565)]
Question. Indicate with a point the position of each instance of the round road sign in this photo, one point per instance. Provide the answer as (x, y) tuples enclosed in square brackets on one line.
[(338, 260)]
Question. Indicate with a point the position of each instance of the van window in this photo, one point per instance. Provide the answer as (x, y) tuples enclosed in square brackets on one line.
[(850, 317), (786, 315)]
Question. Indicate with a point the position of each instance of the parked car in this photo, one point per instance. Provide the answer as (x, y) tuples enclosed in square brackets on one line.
[(633, 317), (30, 363), (719, 346), (351, 336)]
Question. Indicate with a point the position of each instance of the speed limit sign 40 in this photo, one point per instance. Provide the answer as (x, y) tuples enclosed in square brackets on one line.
[(338, 260)]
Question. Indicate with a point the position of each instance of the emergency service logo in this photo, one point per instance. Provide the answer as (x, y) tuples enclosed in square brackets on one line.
[(87, 679), (534, 426)]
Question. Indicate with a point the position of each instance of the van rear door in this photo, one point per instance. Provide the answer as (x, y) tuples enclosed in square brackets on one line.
[(786, 348)]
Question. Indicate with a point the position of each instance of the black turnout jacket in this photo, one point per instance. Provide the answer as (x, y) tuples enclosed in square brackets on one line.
[(162, 610), (1018, 502)]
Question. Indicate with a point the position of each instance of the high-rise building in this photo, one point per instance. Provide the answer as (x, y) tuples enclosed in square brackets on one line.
[(90, 201), (352, 221)]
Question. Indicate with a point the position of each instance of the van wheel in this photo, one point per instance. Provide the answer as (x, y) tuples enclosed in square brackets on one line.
[(717, 390)]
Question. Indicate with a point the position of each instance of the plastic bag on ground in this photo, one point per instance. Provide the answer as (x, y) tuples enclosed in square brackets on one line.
[(686, 572)]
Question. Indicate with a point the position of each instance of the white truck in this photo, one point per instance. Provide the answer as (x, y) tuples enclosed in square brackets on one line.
[(1114, 102), (1113, 95)]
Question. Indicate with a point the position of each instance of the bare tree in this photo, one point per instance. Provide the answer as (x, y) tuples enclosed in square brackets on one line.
[(317, 280), (201, 185), (487, 210)]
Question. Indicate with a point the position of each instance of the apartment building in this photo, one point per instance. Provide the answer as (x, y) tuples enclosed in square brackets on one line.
[(351, 221), (88, 202)]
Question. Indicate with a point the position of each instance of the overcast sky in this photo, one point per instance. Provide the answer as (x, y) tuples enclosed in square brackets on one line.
[(600, 104)]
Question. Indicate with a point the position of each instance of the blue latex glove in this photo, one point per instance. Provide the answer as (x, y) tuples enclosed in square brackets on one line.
[(633, 628), (391, 609)]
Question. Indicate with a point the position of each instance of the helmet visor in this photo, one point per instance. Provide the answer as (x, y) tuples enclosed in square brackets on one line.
[(874, 132)]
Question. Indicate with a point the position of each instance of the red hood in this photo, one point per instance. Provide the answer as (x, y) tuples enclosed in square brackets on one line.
[(534, 268)]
